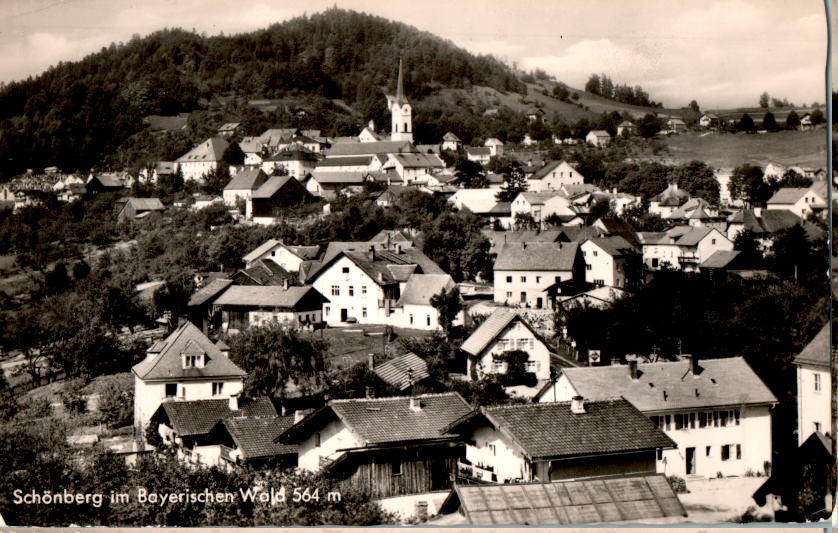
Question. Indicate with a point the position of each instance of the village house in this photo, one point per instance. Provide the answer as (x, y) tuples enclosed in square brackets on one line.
[(557, 441), (264, 272), (246, 306), (723, 177), (802, 201), (608, 261), (154, 172), (328, 185), (383, 446), (536, 115), (523, 272), (619, 201), (200, 310), (552, 176), (666, 202), (138, 208), (188, 425), (675, 125), (288, 257), (451, 142), (682, 247), (352, 163), (495, 147), (479, 154), (774, 171), (106, 182), (242, 185), (384, 148), (717, 411), (626, 128), (364, 283), (598, 138), (484, 203), (202, 201), (184, 366), (402, 372), (267, 203), (814, 387), (70, 193), (541, 205), (709, 120), (763, 223), (251, 441), (294, 162), (415, 308), (228, 129), (504, 330), (195, 164), (414, 167)]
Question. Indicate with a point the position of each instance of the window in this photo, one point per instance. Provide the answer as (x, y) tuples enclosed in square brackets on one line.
[(498, 365), (667, 422), (533, 366), (599, 282), (817, 382), (411, 319), (493, 449), (660, 454), (363, 289), (192, 360), (726, 452), (428, 320), (509, 279), (509, 294), (596, 253), (363, 312), (538, 279), (588, 267), (345, 270), (351, 290), (817, 427), (217, 387), (326, 310), (171, 390), (397, 468), (739, 451), (335, 290), (707, 450), (523, 279), (317, 440), (736, 416), (558, 279)]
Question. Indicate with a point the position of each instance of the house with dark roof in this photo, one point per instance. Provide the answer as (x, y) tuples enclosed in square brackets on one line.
[(199, 308), (383, 446), (505, 330), (138, 208), (553, 175), (251, 441), (610, 261), (371, 148), (274, 197), (188, 425), (763, 223), (184, 366), (814, 386), (105, 182), (403, 372), (263, 272), (296, 162), (287, 256), (242, 306), (717, 411), (242, 185), (328, 185), (364, 283), (557, 441), (451, 142), (414, 167), (682, 247), (664, 203), (525, 270), (802, 201), (598, 138), (202, 159)]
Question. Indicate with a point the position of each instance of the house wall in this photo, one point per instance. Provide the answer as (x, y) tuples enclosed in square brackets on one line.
[(490, 449), (282, 257), (297, 168), (602, 268), (563, 174), (561, 391), (263, 317), (232, 195), (813, 406), (196, 170), (663, 253), (149, 395), (599, 465), (515, 337), (509, 284), (358, 301), (334, 436)]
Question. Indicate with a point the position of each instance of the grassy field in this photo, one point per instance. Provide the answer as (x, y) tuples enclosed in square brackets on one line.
[(790, 148), (349, 346)]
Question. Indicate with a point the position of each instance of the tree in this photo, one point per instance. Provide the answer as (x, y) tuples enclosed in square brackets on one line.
[(448, 305), (514, 183), (275, 356), (524, 221), (769, 122), (233, 154), (648, 126), (516, 368), (793, 179), (792, 121), (560, 92), (748, 246), (9, 405), (470, 174), (694, 106), (746, 124), (764, 99), (747, 183), (817, 117), (698, 179)]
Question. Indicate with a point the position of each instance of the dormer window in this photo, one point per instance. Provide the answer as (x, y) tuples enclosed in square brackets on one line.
[(193, 360)]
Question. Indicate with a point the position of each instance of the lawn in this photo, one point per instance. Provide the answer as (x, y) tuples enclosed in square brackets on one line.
[(349, 346)]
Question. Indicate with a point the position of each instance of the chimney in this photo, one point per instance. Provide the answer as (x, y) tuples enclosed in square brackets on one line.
[(577, 405), (757, 211), (298, 415), (398, 248), (181, 320), (371, 360), (285, 284), (372, 252), (693, 363), (370, 392), (415, 404), (371, 125), (632, 364), (233, 404), (381, 277)]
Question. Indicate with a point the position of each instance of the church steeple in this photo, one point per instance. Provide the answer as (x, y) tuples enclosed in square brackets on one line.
[(400, 86), (402, 116)]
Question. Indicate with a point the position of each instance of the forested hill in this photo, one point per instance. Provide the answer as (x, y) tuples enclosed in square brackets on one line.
[(75, 113)]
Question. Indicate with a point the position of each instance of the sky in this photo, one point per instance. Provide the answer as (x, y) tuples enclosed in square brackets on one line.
[(722, 53)]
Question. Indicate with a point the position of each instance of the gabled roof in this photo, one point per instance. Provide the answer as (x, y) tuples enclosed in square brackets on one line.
[(339, 178), (720, 259), (403, 371), (391, 236), (164, 359), (450, 137), (209, 291), (491, 141), (266, 271), (721, 382), (274, 185), (420, 288), (198, 417), (478, 150), (817, 352), (384, 267), (371, 148), (491, 328), (546, 256), (145, 204), (261, 249), (294, 154), (614, 246), (498, 238), (266, 296), (672, 196), (770, 221), (600, 134), (788, 195), (694, 236), (625, 124), (419, 160), (382, 421), (229, 126), (247, 179), (627, 498), (538, 198), (208, 151), (303, 252), (255, 436), (475, 200), (553, 430), (346, 161)]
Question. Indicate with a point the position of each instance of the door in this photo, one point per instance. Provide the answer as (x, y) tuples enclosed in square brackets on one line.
[(690, 461), (523, 297), (344, 314), (539, 303)]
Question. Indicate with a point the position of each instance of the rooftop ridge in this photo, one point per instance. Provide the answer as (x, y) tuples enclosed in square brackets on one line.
[(396, 398)]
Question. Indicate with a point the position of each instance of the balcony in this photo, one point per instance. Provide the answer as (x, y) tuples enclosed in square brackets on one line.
[(476, 473)]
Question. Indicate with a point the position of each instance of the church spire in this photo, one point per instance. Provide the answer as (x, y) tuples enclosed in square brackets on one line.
[(400, 85)]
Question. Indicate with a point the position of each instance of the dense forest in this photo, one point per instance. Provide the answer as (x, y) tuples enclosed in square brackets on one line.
[(75, 113)]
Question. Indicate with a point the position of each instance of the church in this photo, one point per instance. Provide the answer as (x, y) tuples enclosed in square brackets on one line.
[(400, 112)]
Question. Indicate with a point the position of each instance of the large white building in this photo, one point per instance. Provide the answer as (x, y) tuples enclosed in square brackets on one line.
[(205, 158), (681, 247), (814, 387), (524, 271), (401, 115), (605, 260), (552, 176), (717, 411)]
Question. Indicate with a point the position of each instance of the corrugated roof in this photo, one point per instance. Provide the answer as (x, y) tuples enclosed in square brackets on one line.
[(545, 256), (167, 364), (420, 288), (209, 291), (371, 148), (265, 296), (199, 416), (402, 372), (721, 382), (586, 501), (255, 436), (552, 430), (817, 352), (247, 179)]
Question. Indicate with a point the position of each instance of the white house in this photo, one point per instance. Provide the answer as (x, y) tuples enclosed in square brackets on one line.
[(524, 271), (723, 177), (495, 147), (802, 201), (451, 142), (681, 247), (540, 205), (717, 411), (676, 125), (504, 331), (557, 441), (605, 260), (295, 162), (186, 365), (416, 310), (479, 154), (709, 120), (288, 257), (552, 176), (626, 128), (483, 203), (242, 185), (669, 200), (598, 138), (255, 305), (203, 159), (814, 387), (411, 167), (774, 171)]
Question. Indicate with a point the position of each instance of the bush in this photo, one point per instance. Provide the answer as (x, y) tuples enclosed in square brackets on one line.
[(678, 484), (37, 407), (73, 397), (116, 405)]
